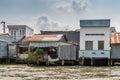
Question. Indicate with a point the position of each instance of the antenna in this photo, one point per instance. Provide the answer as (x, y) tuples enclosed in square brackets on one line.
[(3, 22)]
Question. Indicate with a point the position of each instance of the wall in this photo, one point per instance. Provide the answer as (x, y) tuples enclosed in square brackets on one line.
[(115, 51), (95, 39), (19, 34), (3, 49), (12, 51), (29, 31), (67, 52)]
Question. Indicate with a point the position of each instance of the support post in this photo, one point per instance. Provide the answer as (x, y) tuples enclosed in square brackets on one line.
[(82, 61), (47, 63), (108, 62), (63, 62), (92, 62)]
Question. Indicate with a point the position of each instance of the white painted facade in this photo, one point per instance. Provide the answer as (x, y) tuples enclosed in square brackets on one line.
[(18, 31), (95, 39), (95, 52)]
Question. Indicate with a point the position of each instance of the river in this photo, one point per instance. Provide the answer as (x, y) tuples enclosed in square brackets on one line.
[(24, 72)]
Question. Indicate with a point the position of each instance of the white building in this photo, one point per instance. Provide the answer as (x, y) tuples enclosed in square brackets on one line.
[(18, 31), (94, 39)]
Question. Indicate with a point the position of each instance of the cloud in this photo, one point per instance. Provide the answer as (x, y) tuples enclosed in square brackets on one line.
[(45, 23), (72, 6)]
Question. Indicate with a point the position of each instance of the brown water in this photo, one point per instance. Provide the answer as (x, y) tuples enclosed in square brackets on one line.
[(24, 72)]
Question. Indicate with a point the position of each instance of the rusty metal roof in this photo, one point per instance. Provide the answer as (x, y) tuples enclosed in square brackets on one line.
[(115, 38), (41, 37)]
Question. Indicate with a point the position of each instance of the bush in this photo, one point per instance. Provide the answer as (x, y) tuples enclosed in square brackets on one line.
[(35, 56)]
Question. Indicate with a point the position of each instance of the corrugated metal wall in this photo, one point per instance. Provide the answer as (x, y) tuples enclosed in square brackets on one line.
[(115, 51), (3, 49), (67, 52), (12, 51), (72, 36)]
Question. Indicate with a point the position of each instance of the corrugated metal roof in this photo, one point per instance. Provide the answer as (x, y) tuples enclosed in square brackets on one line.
[(72, 36), (40, 37), (115, 38)]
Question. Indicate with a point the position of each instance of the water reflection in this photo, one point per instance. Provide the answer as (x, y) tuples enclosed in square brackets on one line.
[(24, 72)]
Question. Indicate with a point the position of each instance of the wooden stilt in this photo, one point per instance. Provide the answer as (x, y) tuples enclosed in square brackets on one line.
[(91, 61), (82, 61), (111, 63), (47, 63), (63, 63), (108, 62), (72, 62)]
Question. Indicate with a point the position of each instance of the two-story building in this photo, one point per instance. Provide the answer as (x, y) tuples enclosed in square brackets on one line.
[(18, 31), (94, 40)]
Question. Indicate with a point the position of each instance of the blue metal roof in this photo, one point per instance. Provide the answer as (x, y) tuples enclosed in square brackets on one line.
[(95, 23)]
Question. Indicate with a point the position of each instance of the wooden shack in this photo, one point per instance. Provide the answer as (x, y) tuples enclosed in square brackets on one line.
[(115, 47), (11, 45), (55, 47), (3, 51)]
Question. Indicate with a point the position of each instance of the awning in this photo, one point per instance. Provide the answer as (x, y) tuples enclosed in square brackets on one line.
[(43, 44)]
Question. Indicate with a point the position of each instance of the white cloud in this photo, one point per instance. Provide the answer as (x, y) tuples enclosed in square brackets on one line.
[(45, 23), (72, 6)]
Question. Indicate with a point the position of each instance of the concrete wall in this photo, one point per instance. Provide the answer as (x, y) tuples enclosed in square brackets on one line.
[(94, 38), (19, 31), (18, 35), (29, 31)]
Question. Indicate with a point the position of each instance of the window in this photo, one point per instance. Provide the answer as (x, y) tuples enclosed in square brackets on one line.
[(89, 45), (11, 33), (22, 32), (100, 45), (14, 35)]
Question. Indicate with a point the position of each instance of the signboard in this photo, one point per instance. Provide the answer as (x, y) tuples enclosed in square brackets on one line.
[(95, 23)]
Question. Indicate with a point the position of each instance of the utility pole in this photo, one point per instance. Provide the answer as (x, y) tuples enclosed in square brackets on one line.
[(3, 22)]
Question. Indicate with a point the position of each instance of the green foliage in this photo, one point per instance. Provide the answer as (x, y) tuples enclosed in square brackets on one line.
[(35, 56)]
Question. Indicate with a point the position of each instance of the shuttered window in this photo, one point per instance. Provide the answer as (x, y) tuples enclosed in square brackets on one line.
[(100, 45), (89, 45)]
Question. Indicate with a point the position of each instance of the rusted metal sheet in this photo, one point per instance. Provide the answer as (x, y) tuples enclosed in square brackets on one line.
[(39, 37), (72, 36), (115, 38)]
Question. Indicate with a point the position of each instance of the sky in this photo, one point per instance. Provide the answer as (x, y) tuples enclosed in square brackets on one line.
[(57, 14)]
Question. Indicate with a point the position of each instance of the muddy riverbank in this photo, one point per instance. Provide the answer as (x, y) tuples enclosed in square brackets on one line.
[(24, 72)]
